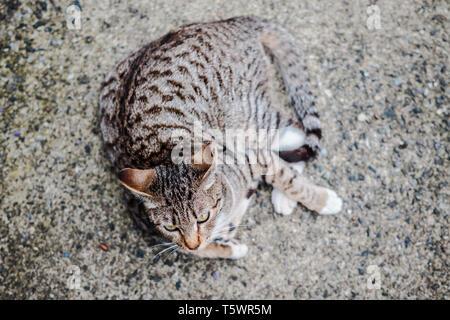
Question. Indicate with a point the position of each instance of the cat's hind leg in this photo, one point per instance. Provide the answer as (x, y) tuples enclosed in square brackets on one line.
[(298, 188), (291, 138), (281, 202), (281, 175)]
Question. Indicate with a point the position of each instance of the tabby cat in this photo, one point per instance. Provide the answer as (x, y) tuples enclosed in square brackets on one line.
[(214, 75)]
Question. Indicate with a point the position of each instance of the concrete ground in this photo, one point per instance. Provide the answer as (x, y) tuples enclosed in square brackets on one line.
[(383, 99)]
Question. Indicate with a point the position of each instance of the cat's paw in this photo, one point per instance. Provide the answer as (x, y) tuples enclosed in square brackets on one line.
[(238, 250), (281, 203), (333, 204)]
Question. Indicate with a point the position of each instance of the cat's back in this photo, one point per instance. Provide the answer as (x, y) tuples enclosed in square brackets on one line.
[(161, 89)]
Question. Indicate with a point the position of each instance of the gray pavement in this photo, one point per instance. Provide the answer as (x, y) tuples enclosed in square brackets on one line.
[(383, 99)]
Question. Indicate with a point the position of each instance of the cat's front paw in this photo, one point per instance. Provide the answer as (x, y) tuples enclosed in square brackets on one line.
[(238, 251), (281, 203), (333, 204)]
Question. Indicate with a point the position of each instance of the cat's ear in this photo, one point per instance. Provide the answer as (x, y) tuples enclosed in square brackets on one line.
[(138, 181), (203, 162)]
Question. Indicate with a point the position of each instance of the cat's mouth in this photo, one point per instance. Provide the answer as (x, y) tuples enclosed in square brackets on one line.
[(194, 248)]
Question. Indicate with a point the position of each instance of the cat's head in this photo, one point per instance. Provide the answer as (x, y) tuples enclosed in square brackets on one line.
[(182, 200)]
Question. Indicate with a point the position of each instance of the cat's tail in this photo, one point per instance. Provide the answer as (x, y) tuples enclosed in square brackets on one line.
[(289, 61)]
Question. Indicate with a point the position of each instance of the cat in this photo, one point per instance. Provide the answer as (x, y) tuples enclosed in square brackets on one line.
[(214, 75)]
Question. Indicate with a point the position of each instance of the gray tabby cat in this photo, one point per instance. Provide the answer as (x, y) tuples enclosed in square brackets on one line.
[(216, 75)]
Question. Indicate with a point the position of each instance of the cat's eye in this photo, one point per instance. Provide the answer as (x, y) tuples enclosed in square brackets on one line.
[(170, 227), (203, 217)]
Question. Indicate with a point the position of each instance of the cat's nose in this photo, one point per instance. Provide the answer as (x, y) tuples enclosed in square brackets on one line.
[(192, 241), (195, 248)]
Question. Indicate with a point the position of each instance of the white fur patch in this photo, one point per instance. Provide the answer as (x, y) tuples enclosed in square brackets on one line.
[(333, 204), (298, 166), (290, 138), (239, 251), (281, 203)]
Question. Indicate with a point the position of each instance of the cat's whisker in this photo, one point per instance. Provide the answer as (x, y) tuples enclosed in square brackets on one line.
[(219, 233), (241, 225), (225, 230), (226, 226), (170, 253), (161, 244), (161, 252)]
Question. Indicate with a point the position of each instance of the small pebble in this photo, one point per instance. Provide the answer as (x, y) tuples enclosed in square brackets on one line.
[(392, 204), (362, 117), (365, 253), (389, 113), (39, 24), (407, 241), (83, 79), (438, 102), (140, 253)]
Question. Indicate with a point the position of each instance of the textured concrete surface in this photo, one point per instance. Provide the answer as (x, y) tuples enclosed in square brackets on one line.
[(383, 99)]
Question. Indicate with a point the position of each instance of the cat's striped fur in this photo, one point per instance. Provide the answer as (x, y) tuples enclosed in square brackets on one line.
[(215, 74)]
